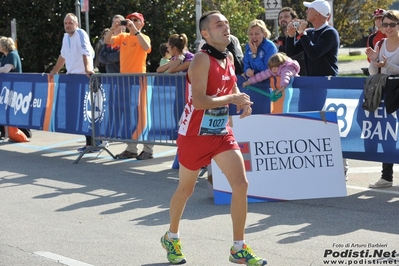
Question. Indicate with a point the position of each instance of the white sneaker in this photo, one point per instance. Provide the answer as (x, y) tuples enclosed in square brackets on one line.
[(381, 183), (104, 144)]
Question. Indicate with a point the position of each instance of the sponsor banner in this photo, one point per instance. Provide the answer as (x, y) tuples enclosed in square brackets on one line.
[(146, 106), (370, 136), (63, 105), (36, 102), (287, 157)]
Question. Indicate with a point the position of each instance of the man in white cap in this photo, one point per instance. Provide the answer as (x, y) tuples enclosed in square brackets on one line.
[(320, 43), (320, 46)]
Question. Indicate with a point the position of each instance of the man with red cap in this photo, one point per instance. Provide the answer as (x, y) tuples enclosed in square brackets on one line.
[(133, 56), (378, 34), (134, 47)]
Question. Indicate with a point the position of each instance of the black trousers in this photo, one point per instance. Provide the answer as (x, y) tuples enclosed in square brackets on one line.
[(89, 140), (387, 171)]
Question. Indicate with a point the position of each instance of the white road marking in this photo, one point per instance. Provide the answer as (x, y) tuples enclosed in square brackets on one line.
[(61, 259)]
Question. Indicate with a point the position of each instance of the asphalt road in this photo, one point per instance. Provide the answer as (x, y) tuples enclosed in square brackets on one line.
[(106, 212), (353, 67)]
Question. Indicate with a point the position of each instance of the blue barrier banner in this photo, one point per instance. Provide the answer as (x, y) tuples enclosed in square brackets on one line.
[(125, 107), (23, 100), (364, 135), (37, 101), (139, 108), (62, 104)]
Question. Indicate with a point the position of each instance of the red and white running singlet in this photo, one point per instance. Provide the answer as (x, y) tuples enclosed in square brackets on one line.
[(221, 81)]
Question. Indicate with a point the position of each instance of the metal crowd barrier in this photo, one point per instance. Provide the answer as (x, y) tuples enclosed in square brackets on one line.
[(140, 108)]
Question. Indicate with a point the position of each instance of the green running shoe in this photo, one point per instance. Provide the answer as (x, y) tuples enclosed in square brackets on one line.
[(246, 256), (173, 249)]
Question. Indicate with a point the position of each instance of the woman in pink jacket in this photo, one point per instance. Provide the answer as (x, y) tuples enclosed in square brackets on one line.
[(279, 65)]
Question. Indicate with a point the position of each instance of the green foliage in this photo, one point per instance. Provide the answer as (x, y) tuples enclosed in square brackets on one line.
[(239, 13), (39, 30), (350, 58), (352, 19), (40, 22)]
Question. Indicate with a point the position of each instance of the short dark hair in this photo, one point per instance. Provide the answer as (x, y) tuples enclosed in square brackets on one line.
[(163, 49), (289, 9), (203, 21)]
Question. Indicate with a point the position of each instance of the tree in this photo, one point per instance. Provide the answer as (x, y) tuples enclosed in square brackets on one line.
[(352, 19), (40, 22), (239, 13), (39, 30)]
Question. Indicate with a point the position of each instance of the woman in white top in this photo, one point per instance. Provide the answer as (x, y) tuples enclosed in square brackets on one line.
[(386, 57)]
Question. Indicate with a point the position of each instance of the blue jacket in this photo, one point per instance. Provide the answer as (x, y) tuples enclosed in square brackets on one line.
[(110, 57), (320, 48), (265, 50)]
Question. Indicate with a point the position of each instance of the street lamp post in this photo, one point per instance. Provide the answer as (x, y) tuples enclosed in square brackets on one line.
[(77, 10), (198, 13)]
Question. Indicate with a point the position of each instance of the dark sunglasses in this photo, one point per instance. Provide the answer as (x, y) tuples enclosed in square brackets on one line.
[(392, 25)]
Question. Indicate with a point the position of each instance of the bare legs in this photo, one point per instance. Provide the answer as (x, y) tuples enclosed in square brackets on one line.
[(232, 165), (187, 181)]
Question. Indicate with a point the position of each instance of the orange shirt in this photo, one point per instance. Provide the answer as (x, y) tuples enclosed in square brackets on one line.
[(378, 36), (132, 56)]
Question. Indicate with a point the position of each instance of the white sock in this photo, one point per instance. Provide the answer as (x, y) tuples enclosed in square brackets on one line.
[(238, 245), (173, 235)]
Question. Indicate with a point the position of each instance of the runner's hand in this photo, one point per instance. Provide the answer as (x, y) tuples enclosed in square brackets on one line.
[(241, 99), (246, 110)]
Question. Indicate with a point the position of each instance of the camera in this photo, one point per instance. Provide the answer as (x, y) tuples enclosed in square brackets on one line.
[(296, 24), (123, 23)]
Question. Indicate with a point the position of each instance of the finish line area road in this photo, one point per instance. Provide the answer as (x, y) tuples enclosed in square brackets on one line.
[(107, 212)]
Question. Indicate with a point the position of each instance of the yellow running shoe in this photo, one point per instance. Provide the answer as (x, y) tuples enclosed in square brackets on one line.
[(173, 249), (246, 256)]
